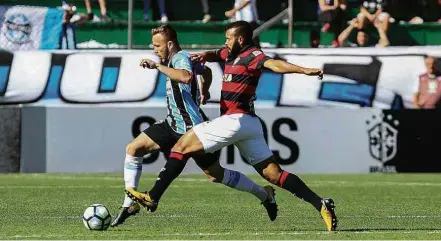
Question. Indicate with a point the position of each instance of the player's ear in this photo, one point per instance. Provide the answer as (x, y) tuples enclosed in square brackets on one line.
[(170, 44), (241, 40)]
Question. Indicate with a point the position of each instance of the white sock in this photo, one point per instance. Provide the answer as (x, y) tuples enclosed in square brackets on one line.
[(132, 174), (241, 182)]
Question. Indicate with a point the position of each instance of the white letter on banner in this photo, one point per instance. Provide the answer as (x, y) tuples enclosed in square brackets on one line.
[(399, 75), (27, 77), (304, 90), (81, 79), (216, 86)]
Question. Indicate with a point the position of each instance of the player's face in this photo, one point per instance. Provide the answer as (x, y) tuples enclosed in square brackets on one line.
[(232, 42), (230, 39), (160, 46)]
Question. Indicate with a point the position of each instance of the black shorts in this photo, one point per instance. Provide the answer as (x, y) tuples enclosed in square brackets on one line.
[(163, 135)]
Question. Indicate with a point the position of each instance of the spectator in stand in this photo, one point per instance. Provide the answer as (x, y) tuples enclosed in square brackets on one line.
[(314, 39), (245, 10), (372, 11), (331, 14), (206, 9), (362, 36), (162, 12), (103, 9), (439, 10), (67, 38), (428, 95)]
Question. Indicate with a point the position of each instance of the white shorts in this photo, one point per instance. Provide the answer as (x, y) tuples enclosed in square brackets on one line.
[(242, 130)]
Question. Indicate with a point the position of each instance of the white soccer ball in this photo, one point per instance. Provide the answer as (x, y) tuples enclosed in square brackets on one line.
[(97, 217)]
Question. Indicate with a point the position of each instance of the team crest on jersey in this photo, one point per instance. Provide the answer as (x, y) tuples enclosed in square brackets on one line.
[(227, 78), (257, 53)]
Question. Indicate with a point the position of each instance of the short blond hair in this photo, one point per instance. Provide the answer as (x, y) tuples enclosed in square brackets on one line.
[(167, 31)]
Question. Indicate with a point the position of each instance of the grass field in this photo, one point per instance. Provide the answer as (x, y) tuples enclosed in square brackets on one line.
[(377, 206)]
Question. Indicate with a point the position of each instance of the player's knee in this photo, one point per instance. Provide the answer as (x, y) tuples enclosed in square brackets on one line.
[(272, 174), (134, 150), (178, 148)]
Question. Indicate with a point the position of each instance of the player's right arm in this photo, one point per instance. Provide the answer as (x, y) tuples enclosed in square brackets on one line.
[(211, 56)]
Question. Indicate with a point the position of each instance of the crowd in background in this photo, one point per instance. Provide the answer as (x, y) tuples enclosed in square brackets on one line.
[(332, 16)]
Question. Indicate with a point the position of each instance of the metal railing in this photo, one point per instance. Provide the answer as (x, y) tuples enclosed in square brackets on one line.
[(288, 12)]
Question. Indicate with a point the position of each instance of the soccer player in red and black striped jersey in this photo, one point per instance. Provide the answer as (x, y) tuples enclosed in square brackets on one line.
[(238, 123)]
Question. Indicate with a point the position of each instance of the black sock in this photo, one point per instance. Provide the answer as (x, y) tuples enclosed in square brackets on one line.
[(296, 186), (171, 171)]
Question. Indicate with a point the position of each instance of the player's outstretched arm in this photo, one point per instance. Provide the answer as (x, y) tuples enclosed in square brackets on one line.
[(179, 75), (208, 56), (283, 67)]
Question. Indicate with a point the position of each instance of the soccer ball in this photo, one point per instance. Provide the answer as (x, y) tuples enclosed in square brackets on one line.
[(97, 217)]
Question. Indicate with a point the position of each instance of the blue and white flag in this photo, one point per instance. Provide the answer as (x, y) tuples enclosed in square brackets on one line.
[(30, 28)]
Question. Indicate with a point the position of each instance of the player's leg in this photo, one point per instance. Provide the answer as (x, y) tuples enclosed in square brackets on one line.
[(209, 163), (144, 143), (207, 136), (271, 171), (258, 154)]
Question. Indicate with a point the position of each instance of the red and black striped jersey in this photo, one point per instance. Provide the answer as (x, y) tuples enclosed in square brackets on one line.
[(239, 83)]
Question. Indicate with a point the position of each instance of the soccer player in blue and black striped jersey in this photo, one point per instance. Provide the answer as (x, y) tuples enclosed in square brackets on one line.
[(183, 112)]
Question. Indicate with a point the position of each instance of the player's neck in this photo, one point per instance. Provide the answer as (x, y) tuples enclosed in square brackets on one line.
[(173, 51)]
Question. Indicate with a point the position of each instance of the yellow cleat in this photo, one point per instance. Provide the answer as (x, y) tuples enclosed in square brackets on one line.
[(142, 198), (328, 214)]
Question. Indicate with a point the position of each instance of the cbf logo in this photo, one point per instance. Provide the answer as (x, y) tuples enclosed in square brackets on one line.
[(383, 136), (18, 28)]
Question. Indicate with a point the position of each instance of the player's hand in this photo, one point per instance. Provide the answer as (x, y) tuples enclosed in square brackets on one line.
[(198, 57), (315, 72), (148, 63), (229, 13), (205, 97)]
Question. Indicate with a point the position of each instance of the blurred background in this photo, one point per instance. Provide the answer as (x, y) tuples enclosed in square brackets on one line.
[(71, 68)]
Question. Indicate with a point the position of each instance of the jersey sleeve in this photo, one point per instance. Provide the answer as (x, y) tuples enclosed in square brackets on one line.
[(222, 53), (258, 59), (182, 61), (198, 68)]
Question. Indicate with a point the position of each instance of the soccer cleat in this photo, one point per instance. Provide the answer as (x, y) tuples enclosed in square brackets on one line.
[(142, 198), (270, 203), (328, 214), (125, 213)]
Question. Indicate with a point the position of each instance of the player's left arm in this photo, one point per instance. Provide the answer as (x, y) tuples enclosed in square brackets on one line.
[(179, 75), (182, 71), (283, 67)]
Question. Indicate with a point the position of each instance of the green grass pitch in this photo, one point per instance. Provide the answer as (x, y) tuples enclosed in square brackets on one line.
[(375, 206)]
